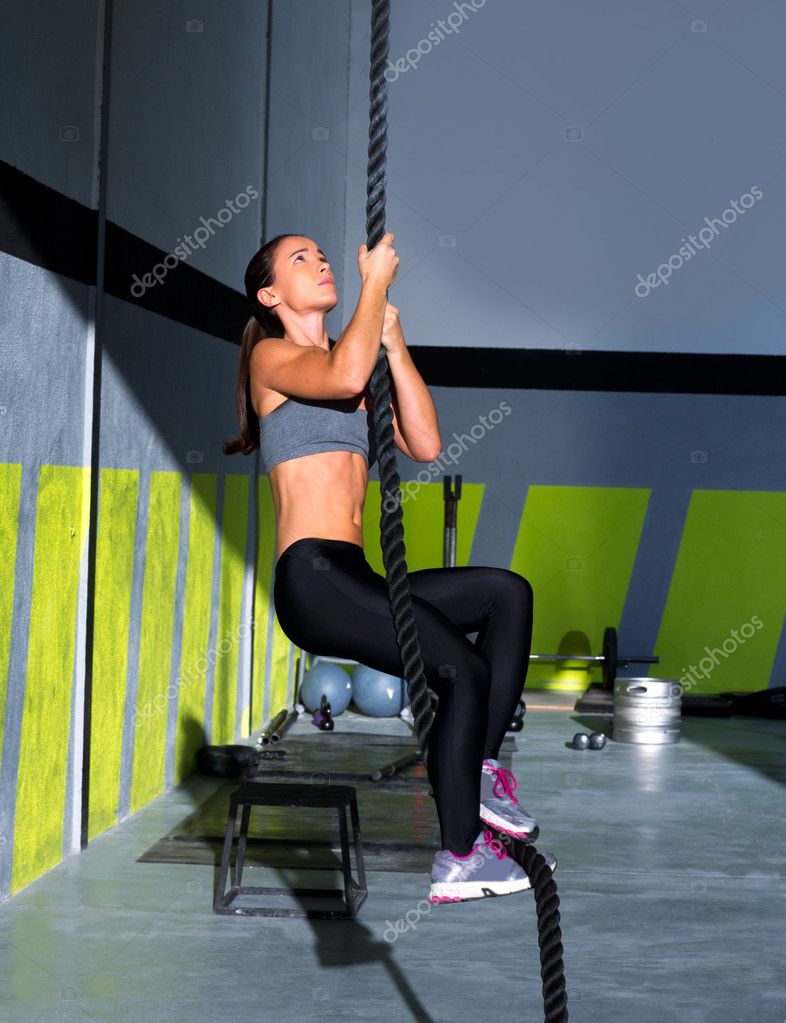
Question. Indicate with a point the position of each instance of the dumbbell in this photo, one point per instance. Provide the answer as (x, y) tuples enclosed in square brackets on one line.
[(595, 740)]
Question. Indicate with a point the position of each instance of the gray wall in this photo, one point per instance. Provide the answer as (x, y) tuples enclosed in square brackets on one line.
[(187, 126), (51, 59), (185, 135), (309, 120), (564, 149)]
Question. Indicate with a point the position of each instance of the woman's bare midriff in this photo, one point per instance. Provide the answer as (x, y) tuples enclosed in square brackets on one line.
[(316, 495)]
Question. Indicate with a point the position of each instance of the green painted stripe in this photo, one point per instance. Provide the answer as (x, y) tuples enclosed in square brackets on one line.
[(155, 646), (263, 596), (117, 512), (423, 510), (10, 487), (576, 545), (62, 509), (280, 696), (728, 577), (192, 674), (233, 552)]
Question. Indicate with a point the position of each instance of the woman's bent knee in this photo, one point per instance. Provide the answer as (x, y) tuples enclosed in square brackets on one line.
[(514, 587)]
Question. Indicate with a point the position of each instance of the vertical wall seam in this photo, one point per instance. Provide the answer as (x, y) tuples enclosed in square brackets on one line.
[(75, 765), (134, 642), (269, 644), (253, 502), (94, 414), (290, 699), (215, 596), (345, 273), (243, 710), (173, 693), (17, 670), (266, 122)]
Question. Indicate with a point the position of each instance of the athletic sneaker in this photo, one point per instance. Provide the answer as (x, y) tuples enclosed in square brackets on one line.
[(499, 808), (486, 870)]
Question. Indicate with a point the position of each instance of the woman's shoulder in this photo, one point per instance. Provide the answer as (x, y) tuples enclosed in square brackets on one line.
[(263, 398)]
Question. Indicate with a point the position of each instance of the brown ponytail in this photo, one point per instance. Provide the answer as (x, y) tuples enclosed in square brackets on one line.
[(262, 323)]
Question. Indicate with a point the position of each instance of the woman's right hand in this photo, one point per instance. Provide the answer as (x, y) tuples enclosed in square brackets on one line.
[(380, 265)]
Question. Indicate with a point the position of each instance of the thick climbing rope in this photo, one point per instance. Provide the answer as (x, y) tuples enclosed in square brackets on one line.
[(423, 700)]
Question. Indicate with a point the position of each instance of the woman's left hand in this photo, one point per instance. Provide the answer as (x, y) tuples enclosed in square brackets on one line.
[(392, 336)]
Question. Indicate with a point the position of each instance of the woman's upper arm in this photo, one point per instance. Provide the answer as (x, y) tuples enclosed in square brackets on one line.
[(300, 371)]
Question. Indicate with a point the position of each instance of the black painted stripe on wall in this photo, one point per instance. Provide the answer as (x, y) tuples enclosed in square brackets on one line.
[(186, 295), (44, 227), (550, 369)]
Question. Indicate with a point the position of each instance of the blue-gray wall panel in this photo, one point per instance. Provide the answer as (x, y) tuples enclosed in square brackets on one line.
[(513, 233)]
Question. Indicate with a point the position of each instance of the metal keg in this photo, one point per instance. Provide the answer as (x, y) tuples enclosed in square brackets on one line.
[(647, 710)]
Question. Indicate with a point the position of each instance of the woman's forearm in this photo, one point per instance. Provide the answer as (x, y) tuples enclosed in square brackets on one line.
[(357, 347), (415, 409)]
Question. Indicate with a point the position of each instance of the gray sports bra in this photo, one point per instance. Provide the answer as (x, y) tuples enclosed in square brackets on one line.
[(304, 426)]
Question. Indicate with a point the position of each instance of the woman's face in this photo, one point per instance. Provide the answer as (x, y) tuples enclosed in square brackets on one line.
[(303, 279)]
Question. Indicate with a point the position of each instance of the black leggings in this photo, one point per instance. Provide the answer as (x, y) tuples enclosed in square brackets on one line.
[(329, 600)]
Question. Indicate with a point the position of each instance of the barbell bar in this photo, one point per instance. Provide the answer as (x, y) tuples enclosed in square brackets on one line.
[(610, 660)]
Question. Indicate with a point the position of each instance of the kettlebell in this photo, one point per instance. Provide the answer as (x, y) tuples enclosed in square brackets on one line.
[(323, 718), (517, 723)]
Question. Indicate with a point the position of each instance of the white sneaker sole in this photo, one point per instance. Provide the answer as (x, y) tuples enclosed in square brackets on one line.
[(502, 824), (462, 891)]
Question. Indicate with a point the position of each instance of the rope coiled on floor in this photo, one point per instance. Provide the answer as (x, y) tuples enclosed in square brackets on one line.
[(423, 700)]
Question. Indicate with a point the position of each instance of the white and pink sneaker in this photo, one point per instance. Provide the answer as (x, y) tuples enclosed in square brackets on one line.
[(499, 808), (485, 871)]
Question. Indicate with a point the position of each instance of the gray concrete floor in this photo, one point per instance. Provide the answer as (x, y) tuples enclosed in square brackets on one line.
[(671, 880)]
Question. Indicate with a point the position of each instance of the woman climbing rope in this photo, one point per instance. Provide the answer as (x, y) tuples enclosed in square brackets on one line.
[(304, 400)]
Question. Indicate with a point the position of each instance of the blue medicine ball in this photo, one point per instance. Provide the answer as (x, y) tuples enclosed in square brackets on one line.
[(330, 679), (377, 694)]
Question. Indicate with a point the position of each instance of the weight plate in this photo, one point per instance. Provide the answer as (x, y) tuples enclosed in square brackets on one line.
[(610, 657)]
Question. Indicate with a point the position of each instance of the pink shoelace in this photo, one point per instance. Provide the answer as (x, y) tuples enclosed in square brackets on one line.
[(504, 784), (494, 844)]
